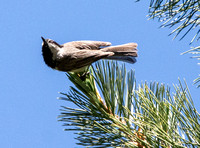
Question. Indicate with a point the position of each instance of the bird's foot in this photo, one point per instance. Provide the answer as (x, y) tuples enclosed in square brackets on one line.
[(83, 75)]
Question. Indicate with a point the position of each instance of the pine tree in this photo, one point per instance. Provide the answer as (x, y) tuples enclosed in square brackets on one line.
[(114, 111)]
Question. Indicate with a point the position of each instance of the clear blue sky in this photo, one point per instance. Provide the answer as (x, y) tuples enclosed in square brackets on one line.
[(29, 89)]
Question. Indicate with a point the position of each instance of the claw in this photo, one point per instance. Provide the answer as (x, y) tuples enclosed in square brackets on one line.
[(83, 76)]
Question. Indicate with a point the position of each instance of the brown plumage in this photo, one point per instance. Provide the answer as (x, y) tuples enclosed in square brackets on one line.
[(77, 55)]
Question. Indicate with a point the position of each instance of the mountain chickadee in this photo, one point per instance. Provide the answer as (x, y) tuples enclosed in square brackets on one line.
[(76, 56)]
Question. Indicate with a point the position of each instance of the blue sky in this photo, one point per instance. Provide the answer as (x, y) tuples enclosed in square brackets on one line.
[(29, 89)]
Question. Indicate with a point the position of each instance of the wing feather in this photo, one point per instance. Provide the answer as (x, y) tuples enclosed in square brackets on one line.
[(91, 45)]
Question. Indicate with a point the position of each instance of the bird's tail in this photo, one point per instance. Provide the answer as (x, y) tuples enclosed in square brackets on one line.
[(125, 52)]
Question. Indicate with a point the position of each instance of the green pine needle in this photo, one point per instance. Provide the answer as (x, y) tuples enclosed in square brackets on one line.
[(114, 112)]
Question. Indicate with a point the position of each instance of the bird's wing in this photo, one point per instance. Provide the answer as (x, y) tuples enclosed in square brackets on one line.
[(81, 58), (91, 45), (87, 54)]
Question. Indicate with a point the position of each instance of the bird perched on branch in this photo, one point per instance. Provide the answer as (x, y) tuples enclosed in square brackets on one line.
[(76, 56)]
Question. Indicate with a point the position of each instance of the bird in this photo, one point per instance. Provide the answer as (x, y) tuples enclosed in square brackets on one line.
[(77, 56)]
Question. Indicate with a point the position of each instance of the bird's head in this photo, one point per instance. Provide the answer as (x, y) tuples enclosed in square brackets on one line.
[(49, 51), (48, 43)]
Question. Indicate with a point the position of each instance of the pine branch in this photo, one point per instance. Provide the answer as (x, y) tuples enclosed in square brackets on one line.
[(177, 12), (183, 15), (113, 112), (195, 51)]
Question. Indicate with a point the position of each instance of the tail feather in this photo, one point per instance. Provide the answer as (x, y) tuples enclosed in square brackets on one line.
[(125, 52), (130, 47), (128, 59)]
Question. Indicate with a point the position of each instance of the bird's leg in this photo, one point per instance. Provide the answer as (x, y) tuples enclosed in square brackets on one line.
[(83, 75)]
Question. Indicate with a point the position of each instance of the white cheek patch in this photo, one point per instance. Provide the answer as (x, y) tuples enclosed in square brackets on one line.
[(57, 52), (61, 52)]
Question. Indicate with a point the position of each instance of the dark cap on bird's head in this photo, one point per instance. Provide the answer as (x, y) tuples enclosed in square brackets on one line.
[(49, 42), (47, 53)]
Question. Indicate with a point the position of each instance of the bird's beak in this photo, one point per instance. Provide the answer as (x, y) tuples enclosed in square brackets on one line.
[(43, 39), (44, 42)]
